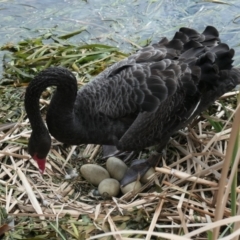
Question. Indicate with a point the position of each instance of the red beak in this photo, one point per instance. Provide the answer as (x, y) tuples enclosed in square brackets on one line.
[(41, 163)]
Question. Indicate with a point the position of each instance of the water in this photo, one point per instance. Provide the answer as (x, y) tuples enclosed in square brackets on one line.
[(121, 23)]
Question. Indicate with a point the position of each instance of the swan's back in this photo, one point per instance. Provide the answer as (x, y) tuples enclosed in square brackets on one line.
[(144, 99)]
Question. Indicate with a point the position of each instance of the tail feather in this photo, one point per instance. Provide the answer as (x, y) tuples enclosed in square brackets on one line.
[(210, 33), (192, 34), (220, 47), (224, 59), (205, 51), (234, 76)]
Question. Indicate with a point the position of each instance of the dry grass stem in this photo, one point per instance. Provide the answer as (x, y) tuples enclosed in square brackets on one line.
[(223, 196)]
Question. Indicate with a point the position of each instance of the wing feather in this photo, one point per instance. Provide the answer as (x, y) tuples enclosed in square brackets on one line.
[(161, 84)]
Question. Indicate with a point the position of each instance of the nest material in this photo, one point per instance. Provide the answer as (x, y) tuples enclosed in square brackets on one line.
[(181, 197)]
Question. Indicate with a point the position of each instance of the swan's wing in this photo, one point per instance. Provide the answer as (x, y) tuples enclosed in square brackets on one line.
[(144, 80), (148, 78), (142, 87), (208, 75)]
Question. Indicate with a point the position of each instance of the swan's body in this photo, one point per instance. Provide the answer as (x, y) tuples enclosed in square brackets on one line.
[(135, 103)]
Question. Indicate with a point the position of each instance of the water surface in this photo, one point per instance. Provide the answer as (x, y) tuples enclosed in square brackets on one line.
[(120, 23)]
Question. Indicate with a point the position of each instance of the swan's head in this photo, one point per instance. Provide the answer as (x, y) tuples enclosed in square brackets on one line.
[(38, 148)]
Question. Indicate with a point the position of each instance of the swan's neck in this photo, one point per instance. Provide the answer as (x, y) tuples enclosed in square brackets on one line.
[(32, 97), (61, 107), (62, 121)]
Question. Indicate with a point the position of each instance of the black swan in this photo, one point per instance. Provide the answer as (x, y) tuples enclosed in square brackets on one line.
[(138, 102)]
